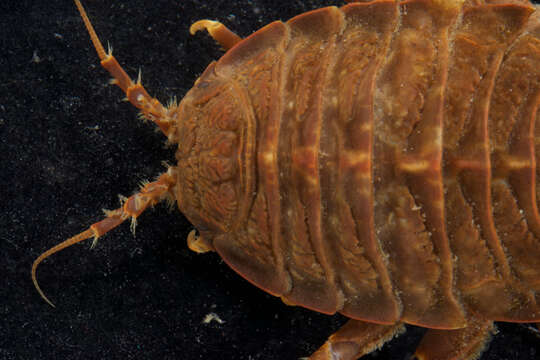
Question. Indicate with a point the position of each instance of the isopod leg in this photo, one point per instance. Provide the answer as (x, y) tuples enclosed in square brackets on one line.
[(355, 339), (197, 243), (150, 107), (132, 207), (461, 344), (217, 31)]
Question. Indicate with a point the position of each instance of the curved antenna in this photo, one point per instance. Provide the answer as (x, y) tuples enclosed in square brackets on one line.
[(149, 195), (77, 238)]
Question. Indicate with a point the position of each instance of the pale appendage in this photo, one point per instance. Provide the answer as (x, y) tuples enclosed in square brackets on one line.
[(217, 31)]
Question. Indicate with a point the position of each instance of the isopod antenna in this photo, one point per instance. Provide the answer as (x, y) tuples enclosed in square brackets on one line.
[(149, 195), (151, 108)]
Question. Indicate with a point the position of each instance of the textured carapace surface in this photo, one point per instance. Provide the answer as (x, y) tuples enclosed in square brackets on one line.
[(377, 159)]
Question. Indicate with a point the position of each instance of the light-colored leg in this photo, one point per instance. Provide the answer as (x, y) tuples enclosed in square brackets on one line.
[(462, 344), (355, 339), (218, 31)]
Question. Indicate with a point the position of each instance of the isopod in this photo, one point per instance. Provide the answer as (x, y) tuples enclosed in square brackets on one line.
[(376, 160)]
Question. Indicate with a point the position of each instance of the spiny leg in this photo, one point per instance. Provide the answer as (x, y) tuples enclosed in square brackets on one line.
[(150, 194), (355, 339), (150, 107), (462, 344), (217, 31)]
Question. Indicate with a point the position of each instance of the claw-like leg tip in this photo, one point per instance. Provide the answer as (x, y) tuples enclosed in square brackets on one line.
[(197, 244), (202, 25)]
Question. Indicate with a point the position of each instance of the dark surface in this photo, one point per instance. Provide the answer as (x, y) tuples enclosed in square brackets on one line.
[(69, 146)]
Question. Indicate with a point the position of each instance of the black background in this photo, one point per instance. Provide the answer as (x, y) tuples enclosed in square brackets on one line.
[(69, 145)]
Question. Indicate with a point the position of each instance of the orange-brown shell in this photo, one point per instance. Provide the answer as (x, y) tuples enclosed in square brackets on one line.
[(384, 161)]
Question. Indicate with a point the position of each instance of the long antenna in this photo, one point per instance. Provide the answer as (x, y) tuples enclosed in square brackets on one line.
[(151, 108)]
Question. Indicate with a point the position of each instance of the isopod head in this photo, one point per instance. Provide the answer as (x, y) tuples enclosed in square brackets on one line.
[(214, 173)]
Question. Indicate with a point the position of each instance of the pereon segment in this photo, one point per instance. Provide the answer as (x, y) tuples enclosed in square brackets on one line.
[(256, 249), (307, 63), (346, 162), (478, 52), (409, 206)]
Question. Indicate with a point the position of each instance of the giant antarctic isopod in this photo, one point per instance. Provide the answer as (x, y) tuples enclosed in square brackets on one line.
[(378, 160)]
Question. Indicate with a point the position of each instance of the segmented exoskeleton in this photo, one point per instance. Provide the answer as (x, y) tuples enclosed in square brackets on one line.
[(377, 160)]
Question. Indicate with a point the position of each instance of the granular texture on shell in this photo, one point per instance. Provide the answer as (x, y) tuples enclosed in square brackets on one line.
[(377, 160), (388, 156)]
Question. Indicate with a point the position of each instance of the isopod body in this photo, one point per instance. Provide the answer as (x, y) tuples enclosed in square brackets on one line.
[(377, 160)]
